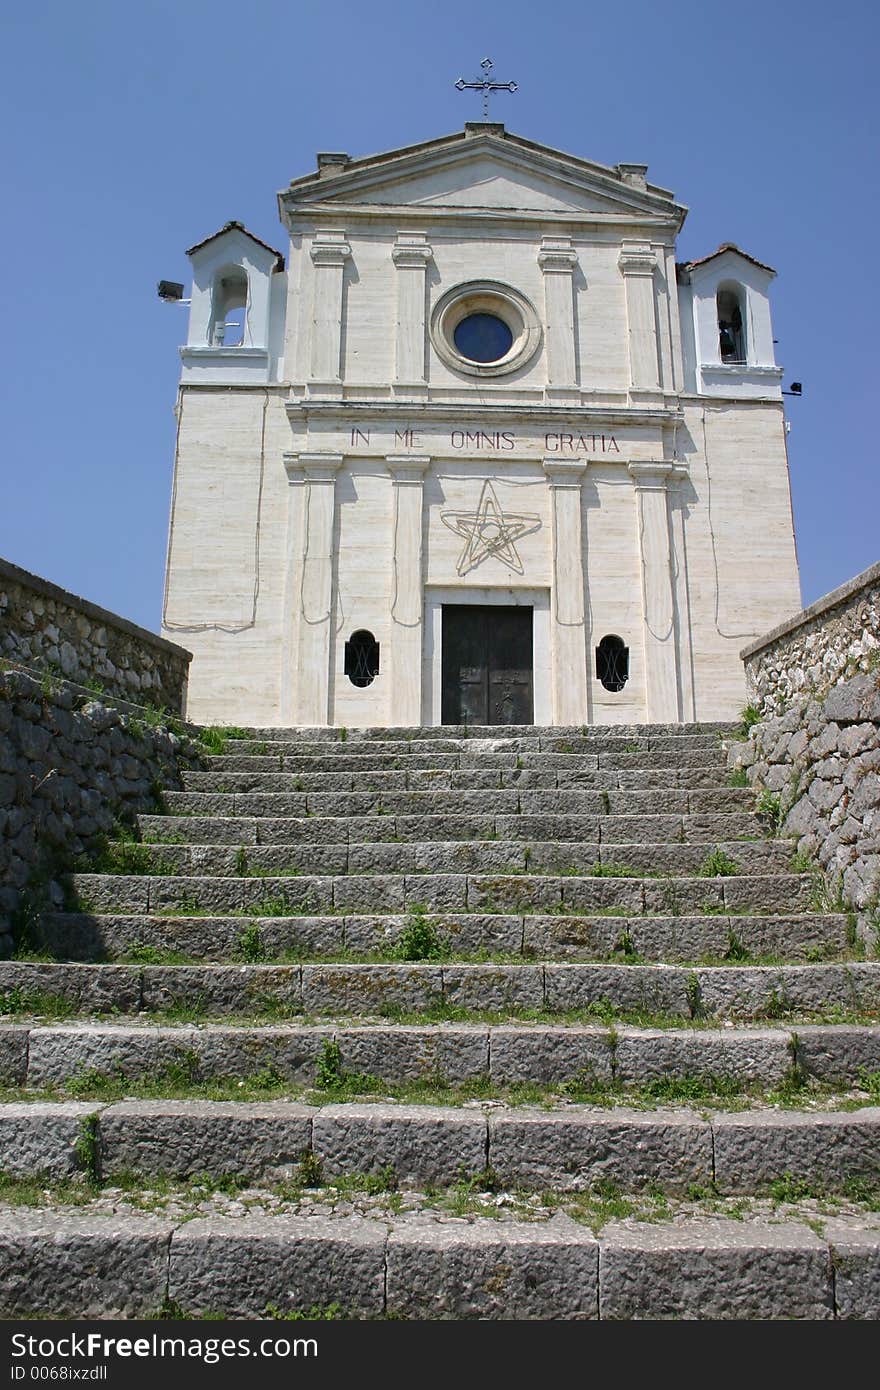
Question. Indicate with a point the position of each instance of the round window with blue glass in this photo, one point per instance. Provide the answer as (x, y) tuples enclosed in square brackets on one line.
[(484, 328), (483, 338)]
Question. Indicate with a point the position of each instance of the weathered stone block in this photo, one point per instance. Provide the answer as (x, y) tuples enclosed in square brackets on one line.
[(82, 1265), (629, 988), (422, 1144), (494, 988), (574, 1149), (749, 1056), (40, 1140), (542, 1054), (370, 989), (450, 1269), (187, 1137), (715, 1270), (241, 1268), (824, 1149), (453, 1053), (855, 1258)]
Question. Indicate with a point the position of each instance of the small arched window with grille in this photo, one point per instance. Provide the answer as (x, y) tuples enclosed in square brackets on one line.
[(731, 323), (362, 658), (612, 663)]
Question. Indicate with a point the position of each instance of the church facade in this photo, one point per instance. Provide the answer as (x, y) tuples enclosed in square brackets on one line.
[(475, 449)]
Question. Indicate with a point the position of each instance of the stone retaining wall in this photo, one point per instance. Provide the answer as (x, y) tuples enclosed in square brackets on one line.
[(48, 628), (833, 639), (815, 752), (70, 767)]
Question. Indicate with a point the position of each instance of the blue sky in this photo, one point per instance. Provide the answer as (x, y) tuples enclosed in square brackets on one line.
[(137, 127)]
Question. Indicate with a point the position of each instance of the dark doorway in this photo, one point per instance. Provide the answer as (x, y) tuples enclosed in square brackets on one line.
[(487, 665)]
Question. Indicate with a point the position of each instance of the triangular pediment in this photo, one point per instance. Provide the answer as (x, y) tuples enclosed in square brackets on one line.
[(491, 172)]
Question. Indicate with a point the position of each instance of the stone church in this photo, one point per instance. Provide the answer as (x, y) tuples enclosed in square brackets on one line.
[(474, 448)]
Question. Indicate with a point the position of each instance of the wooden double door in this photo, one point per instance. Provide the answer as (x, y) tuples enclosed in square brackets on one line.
[(488, 665)]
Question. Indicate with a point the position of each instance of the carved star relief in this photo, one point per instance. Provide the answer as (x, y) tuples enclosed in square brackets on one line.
[(490, 531)]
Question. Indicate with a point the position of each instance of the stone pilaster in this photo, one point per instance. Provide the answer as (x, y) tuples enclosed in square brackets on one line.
[(558, 261), (411, 254), (568, 654), (329, 252), (637, 264), (405, 658), (658, 604), (310, 594)]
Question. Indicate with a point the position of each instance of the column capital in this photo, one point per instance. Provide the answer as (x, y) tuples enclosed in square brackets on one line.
[(637, 258), (412, 249), (329, 248), (407, 468), (312, 468), (557, 256), (564, 472), (650, 473)]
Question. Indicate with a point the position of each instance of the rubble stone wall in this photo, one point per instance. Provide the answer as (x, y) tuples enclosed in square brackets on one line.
[(833, 639), (47, 628), (814, 753), (70, 767)]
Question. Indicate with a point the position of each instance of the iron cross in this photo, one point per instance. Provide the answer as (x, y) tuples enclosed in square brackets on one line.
[(485, 85)]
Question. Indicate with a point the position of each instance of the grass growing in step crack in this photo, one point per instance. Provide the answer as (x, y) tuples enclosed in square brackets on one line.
[(717, 864), (141, 953), (610, 870), (736, 952), (87, 1150), (419, 939), (20, 1002), (769, 808), (702, 1092), (278, 906), (123, 857), (625, 949), (214, 737), (738, 778), (249, 945)]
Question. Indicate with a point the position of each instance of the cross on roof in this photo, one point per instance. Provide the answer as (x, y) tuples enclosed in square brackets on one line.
[(485, 85)]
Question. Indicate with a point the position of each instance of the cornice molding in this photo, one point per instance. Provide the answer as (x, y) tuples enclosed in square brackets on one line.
[(549, 415), (205, 353), (302, 216)]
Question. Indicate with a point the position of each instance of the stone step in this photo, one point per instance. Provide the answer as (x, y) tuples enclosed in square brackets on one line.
[(572, 744), (491, 856), (359, 830), (567, 1149), (484, 893), (428, 1265), (90, 937), (368, 761), (458, 733), (503, 1055), (414, 987), (212, 800), (593, 801)]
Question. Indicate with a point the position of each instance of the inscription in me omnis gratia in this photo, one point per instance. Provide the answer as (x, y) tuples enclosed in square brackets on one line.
[(501, 440)]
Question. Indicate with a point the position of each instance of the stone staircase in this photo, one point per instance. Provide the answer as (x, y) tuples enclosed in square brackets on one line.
[(497, 1023)]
